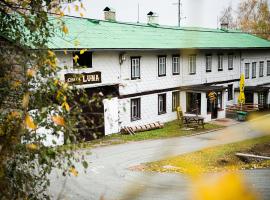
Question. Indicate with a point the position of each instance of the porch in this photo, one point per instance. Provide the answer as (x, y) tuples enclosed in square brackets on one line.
[(195, 100)]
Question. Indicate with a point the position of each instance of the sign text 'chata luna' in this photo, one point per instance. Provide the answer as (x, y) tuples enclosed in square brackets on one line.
[(84, 78)]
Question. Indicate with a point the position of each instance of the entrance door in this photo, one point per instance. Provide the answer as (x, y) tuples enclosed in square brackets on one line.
[(249, 97), (262, 99), (214, 112)]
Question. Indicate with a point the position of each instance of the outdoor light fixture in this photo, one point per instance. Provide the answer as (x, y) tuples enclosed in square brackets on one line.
[(122, 58)]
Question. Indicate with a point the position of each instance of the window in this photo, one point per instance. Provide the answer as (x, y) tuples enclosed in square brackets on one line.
[(192, 64), (230, 61), (175, 100), (82, 60), (176, 65), (193, 103), (268, 68), (208, 62), (262, 98), (219, 100), (161, 104), (135, 109), (230, 92), (135, 68), (220, 62), (247, 65), (254, 70), (162, 66), (261, 69)]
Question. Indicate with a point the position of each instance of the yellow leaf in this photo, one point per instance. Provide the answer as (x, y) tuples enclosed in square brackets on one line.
[(83, 51), (76, 42), (76, 8), (62, 14), (29, 122), (15, 114), (31, 72), (25, 100), (82, 6), (226, 186), (58, 120), (81, 14), (16, 84), (75, 58), (32, 146), (65, 29), (51, 53), (66, 106), (73, 171), (65, 52)]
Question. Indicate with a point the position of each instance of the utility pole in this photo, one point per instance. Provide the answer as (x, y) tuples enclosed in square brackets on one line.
[(179, 4), (138, 19), (179, 13)]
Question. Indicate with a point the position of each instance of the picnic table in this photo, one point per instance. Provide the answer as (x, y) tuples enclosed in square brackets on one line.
[(199, 121)]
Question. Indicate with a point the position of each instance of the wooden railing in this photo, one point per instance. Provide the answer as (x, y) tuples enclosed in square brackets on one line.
[(248, 107)]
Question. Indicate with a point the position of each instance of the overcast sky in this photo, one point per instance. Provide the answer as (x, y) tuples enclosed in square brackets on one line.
[(203, 13)]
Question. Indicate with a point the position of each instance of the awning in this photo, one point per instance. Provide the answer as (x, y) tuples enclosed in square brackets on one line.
[(204, 88), (254, 89)]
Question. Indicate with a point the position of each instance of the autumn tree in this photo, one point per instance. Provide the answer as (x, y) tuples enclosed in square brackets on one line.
[(31, 97), (254, 17), (251, 16)]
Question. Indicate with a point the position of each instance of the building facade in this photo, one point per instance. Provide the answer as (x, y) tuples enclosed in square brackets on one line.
[(147, 70)]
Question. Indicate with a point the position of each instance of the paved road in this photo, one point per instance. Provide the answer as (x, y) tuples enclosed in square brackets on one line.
[(108, 175)]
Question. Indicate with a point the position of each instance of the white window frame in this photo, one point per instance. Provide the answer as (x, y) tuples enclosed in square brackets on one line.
[(162, 104), (254, 70), (220, 62), (135, 68), (161, 66), (208, 62), (176, 65), (268, 68), (261, 68), (135, 109), (175, 100), (247, 70), (192, 64), (230, 61)]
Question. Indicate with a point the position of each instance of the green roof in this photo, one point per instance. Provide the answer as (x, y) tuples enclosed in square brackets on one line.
[(99, 34)]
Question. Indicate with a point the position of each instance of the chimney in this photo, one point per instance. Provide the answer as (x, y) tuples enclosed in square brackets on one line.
[(152, 18), (109, 14), (224, 26)]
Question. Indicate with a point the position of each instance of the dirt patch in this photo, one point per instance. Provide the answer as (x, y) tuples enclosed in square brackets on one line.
[(260, 150), (140, 167)]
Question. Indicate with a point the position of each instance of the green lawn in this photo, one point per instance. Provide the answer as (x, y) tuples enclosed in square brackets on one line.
[(215, 159), (170, 129)]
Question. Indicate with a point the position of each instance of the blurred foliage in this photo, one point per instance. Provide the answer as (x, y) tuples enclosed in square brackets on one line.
[(32, 97), (252, 16)]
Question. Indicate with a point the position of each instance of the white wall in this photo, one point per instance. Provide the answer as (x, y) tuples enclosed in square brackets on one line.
[(106, 62), (149, 110), (256, 56)]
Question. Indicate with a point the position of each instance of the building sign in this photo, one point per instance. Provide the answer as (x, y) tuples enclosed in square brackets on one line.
[(84, 78)]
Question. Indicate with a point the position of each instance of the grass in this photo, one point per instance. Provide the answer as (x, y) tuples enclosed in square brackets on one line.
[(220, 158), (170, 129)]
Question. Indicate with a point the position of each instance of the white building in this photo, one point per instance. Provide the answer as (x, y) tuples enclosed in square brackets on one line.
[(150, 69)]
